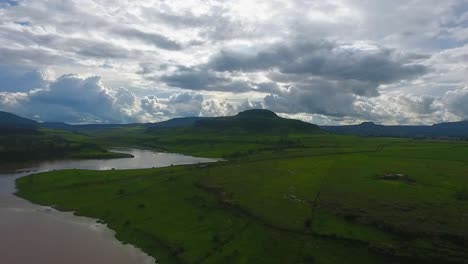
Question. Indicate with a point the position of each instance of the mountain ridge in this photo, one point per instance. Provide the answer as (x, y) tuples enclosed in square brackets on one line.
[(441, 130), (252, 120)]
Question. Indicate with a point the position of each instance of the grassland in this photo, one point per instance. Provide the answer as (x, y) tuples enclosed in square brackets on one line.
[(280, 198)]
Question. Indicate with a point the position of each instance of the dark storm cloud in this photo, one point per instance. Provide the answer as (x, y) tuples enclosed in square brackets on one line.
[(321, 58), (155, 39), (204, 79), (99, 49), (192, 78), (319, 97), (323, 77), (44, 43)]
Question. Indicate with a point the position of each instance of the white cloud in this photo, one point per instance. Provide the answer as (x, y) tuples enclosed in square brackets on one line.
[(388, 61), (456, 102)]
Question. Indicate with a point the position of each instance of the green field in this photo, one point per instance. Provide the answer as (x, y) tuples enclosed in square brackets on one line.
[(279, 198)]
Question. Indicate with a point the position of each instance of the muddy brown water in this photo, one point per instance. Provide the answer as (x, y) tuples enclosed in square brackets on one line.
[(32, 233)]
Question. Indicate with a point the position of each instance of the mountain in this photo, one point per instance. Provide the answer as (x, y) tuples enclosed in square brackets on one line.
[(254, 121), (443, 130), (452, 129), (11, 123), (251, 121), (171, 123)]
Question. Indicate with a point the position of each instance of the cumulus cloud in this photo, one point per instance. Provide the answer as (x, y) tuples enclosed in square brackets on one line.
[(70, 98), (74, 99), (424, 105), (457, 102), (178, 104)]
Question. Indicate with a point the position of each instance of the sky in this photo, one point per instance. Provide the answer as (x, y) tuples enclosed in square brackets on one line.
[(324, 62)]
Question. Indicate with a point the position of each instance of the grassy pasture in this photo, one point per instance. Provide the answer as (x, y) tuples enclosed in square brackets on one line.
[(300, 198)]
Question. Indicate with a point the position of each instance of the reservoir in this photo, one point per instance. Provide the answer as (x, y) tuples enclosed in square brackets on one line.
[(32, 233)]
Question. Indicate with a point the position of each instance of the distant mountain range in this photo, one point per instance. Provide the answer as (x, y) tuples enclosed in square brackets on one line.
[(442, 130), (256, 120)]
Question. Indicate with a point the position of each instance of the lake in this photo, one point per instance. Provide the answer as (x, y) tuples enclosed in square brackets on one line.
[(31, 233)]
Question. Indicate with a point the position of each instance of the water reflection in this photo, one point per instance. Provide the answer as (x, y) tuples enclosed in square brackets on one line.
[(31, 233), (142, 159)]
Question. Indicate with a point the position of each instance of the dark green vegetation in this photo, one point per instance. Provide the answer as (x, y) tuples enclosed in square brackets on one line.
[(44, 144), (10, 123), (285, 196), (22, 139)]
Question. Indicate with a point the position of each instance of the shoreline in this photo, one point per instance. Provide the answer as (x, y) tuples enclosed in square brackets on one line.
[(94, 222)]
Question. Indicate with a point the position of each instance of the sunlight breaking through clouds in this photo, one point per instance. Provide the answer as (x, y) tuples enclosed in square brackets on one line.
[(337, 61)]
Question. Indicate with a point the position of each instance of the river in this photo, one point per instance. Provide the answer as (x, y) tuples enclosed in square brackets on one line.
[(31, 233)]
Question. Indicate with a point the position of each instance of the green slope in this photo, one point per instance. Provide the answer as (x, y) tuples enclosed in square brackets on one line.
[(13, 124)]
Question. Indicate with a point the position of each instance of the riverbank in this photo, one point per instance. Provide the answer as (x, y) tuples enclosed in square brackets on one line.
[(40, 234), (46, 232)]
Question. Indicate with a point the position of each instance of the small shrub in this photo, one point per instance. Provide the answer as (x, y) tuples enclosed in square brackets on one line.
[(215, 238)]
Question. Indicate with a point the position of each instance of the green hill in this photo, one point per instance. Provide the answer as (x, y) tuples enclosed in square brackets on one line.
[(11, 123), (256, 121)]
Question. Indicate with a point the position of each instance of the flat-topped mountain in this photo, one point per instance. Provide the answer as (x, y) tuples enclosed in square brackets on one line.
[(254, 121), (257, 113)]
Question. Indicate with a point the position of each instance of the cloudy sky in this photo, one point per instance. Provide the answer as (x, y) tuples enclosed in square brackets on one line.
[(324, 61)]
